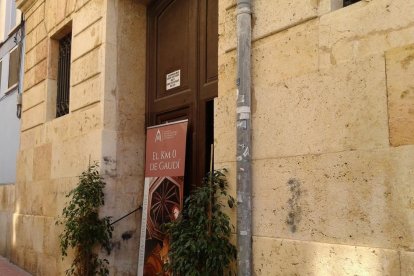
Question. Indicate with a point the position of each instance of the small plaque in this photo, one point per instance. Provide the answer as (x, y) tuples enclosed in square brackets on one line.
[(173, 79)]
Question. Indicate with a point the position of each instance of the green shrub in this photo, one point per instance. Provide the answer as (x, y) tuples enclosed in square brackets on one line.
[(83, 229), (200, 237)]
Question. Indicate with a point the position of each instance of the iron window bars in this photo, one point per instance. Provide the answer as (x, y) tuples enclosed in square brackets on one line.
[(63, 78)]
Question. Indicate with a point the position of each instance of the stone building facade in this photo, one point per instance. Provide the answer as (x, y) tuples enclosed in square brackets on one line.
[(332, 118)]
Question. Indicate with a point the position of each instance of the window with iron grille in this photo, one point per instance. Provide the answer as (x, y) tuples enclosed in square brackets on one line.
[(63, 76), (350, 2)]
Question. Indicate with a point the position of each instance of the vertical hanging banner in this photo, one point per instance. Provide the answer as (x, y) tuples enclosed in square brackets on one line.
[(163, 193)]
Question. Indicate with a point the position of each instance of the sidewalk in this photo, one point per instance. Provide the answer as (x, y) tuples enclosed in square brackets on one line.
[(9, 269)]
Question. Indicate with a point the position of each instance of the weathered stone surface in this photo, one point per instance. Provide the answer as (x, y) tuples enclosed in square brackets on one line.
[(35, 75), (286, 54), (86, 93), (407, 263), (288, 257), (400, 87), (71, 157), (86, 67), (364, 29), (33, 117), (36, 54), (34, 96), (268, 19), (87, 14), (35, 18), (342, 108), (87, 40), (34, 36), (41, 166), (31, 138), (358, 198)]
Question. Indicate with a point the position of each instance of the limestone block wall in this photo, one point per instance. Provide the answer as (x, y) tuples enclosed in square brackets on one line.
[(7, 197), (332, 112), (124, 127)]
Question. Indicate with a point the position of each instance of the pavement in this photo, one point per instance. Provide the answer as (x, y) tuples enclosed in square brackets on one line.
[(9, 269)]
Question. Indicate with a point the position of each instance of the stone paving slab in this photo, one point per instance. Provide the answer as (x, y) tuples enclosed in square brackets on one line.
[(9, 269)]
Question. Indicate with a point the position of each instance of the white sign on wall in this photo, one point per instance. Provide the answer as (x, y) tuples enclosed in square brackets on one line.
[(173, 79)]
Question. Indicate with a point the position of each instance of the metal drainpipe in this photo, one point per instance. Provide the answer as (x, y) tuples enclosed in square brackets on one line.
[(244, 177), (21, 67)]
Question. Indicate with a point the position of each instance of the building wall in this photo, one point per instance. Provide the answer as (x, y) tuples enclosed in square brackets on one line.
[(105, 123), (332, 138), (333, 165), (9, 123)]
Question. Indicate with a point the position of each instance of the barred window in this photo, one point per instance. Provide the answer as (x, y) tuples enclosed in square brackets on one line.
[(14, 66), (350, 2), (63, 76)]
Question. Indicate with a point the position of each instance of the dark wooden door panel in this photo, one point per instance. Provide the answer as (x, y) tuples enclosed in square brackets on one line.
[(183, 35), (176, 43)]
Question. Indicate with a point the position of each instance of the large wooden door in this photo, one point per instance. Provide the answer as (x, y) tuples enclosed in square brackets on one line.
[(183, 40)]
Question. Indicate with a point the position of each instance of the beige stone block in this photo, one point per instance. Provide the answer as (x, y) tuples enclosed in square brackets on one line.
[(287, 257), (109, 58), (51, 98), (341, 108), (51, 237), (47, 265), (86, 67), (41, 166), (35, 36), (24, 166), (57, 129), (36, 54), (109, 153), (359, 198), (30, 261), (83, 121), (407, 263), (5, 229), (286, 54), (71, 157), (35, 75), (34, 96), (7, 197), (400, 86), (224, 127), (227, 30), (87, 40), (268, 18), (130, 153), (86, 93), (29, 10), (34, 18), (31, 137), (367, 28), (87, 12), (70, 7), (227, 72), (271, 17), (54, 199), (55, 13), (33, 117)]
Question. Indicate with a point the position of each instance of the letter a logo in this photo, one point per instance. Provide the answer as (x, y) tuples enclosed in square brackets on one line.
[(158, 136)]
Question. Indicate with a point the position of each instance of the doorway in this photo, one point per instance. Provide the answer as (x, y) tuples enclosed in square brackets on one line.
[(182, 74)]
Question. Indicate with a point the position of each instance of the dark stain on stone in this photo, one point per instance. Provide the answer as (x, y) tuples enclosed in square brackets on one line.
[(295, 211), (127, 235)]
